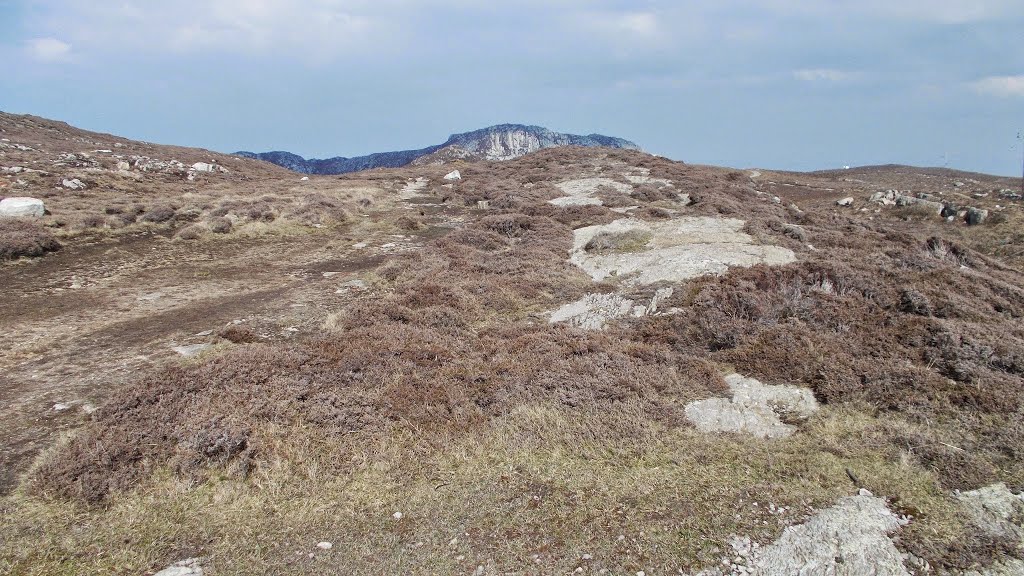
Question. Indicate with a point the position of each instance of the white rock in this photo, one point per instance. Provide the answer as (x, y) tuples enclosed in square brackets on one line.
[(679, 249), (397, 515), (123, 165), (592, 311), (190, 350), (204, 167), (355, 285), (325, 545), (73, 184), (848, 539), (61, 406), (754, 409), (304, 178), (190, 567), (22, 207), (848, 201), (580, 192), (993, 509), (453, 175)]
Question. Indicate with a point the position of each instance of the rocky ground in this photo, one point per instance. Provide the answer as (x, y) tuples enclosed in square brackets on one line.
[(580, 361)]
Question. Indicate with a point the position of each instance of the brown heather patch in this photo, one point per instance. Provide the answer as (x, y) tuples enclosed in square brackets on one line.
[(447, 396), (22, 238)]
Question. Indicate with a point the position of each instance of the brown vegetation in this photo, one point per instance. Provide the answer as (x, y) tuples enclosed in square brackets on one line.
[(443, 392), (20, 238)]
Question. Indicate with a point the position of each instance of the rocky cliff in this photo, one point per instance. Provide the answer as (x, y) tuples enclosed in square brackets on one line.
[(501, 142)]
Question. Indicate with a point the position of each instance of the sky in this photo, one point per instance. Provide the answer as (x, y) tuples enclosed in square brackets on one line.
[(781, 84)]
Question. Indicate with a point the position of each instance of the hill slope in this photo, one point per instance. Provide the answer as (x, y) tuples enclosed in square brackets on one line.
[(582, 360), (501, 142)]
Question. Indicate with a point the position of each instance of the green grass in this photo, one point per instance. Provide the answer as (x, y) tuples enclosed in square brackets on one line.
[(537, 490)]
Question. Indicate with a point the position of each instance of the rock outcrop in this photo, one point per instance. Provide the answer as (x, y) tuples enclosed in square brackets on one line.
[(755, 408)]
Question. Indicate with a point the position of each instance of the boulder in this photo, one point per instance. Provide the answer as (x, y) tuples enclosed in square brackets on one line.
[(73, 184), (848, 201), (904, 200), (976, 216), (22, 207), (453, 175), (204, 167), (887, 198)]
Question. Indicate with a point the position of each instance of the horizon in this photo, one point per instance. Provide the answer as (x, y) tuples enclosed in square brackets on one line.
[(774, 84)]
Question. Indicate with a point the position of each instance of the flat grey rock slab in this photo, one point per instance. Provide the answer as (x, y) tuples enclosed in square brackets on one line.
[(678, 249), (755, 408)]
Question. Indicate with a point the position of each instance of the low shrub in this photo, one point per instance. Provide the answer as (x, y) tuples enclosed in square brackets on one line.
[(220, 225), (159, 214), (23, 238), (191, 232)]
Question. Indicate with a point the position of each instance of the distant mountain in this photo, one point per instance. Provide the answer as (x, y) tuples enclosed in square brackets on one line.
[(502, 142)]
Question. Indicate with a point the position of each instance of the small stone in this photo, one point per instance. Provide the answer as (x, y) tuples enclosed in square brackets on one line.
[(325, 545), (453, 175), (587, 557), (864, 492), (360, 245), (189, 567), (61, 406), (460, 558), (397, 515), (848, 201), (304, 179)]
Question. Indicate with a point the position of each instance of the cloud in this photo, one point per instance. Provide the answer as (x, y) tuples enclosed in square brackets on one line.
[(308, 29), (939, 11), (48, 49), (1001, 86), (622, 25), (824, 75)]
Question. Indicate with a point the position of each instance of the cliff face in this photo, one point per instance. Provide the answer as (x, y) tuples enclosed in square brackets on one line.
[(502, 142), (508, 141)]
